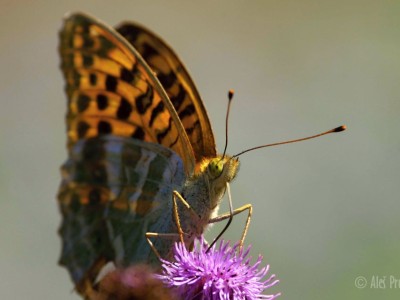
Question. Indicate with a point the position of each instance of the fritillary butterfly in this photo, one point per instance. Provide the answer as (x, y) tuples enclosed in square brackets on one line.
[(138, 134)]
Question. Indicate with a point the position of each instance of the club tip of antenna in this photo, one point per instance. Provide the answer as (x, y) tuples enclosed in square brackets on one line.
[(340, 128), (230, 94)]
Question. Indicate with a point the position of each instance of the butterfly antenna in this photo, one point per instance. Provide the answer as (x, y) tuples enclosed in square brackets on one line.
[(337, 129), (230, 96)]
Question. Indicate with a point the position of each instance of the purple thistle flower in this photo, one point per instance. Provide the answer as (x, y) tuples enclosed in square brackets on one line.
[(220, 273)]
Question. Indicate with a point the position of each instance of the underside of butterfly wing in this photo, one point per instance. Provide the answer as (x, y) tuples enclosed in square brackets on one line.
[(111, 90), (178, 84), (113, 191)]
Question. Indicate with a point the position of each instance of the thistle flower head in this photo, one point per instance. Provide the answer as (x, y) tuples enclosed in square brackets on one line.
[(223, 272)]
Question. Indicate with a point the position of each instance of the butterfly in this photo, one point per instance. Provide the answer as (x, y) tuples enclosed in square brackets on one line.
[(142, 158)]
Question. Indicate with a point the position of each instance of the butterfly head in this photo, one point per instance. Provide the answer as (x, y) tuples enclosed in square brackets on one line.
[(222, 168)]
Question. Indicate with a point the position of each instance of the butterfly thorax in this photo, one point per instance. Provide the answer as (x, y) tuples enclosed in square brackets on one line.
[(205, 189)]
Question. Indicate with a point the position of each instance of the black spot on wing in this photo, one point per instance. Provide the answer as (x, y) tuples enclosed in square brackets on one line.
[(167, 80), (138, 133), (124, 109), (187, 111), (105, 47), (102, 101), (111, 83), (144, 101), (155, 112), (82, 102), (126, 75), (93, 79), (129, 32), (87, 42), (103, 127), (87, 60), (148, 51)]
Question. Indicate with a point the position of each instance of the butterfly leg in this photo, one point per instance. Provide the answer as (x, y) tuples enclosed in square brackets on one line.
[(239, 210), (150, 235), (193, 215), (176, 197)]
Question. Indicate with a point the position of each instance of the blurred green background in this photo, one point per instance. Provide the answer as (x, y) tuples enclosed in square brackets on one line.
[(326, 211)]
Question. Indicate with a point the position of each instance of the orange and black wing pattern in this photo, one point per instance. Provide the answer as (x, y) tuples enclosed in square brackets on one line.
[(111, 90), (178, 84)]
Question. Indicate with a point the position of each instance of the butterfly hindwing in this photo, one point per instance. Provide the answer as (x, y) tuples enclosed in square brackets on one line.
[(113, 191)]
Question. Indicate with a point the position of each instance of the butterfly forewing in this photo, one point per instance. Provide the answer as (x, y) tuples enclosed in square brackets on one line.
[(177, 83), (111, 90)]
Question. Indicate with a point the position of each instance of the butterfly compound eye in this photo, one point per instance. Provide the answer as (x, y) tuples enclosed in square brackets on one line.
[(215, 167)]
